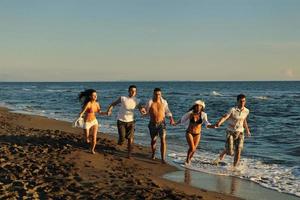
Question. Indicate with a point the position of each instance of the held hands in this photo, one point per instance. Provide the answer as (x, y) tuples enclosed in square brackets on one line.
[(217, 125), (143, 111), (105, 113), (176, 123), (248, 134), (212, 126), (109, 111), (172, 121)]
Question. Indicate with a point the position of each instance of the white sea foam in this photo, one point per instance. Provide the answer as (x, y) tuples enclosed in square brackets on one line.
[(26, 89), (273, 176), (261, 97), (214, 93), (57, 90)]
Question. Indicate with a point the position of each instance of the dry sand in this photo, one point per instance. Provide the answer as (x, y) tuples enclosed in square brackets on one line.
[(44, 158)]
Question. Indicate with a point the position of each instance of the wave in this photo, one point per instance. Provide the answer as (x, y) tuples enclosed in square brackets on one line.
[(57, 90), (26, 89), (261, 97), (214, 93), (273, 176)]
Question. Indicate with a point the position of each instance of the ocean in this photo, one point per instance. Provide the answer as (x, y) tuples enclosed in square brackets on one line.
[(271, 156)]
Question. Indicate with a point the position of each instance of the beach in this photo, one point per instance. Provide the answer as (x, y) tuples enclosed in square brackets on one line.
[(46, 158), (270, 160), (218, 81)]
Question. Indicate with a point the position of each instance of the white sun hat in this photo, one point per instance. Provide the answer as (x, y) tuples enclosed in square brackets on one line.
[(200, 102)]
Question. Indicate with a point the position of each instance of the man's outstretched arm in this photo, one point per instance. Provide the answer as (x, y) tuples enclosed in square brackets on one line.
[(110, 107), (222, 120)]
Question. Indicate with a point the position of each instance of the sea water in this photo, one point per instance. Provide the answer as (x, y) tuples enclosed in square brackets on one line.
[(271, 156)]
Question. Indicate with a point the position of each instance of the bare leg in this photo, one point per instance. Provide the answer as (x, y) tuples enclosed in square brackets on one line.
[(153, 147), (237, 157), (222, 154), (228, 148), (196, 143), (221, 157), (87, 135), (163, 148), (190, 142), (94, 141)]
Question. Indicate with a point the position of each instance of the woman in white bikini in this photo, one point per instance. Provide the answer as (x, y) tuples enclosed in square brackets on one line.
[(90, 106)]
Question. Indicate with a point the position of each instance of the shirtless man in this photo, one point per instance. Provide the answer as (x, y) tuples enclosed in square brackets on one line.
[(158, 109), (237, 122)]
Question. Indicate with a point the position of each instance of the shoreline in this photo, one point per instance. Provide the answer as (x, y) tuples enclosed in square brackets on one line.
[(227, 185), (43, 157), (172, 174)]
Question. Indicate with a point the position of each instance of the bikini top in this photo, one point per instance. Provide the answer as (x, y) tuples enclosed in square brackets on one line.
[(195, 118), (90, 110)]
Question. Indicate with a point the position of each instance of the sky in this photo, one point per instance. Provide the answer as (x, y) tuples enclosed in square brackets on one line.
[(149, 40)]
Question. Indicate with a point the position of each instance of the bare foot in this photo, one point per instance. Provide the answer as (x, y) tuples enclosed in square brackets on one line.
[(88, 141), (153, 156), (216, 161), (93, 152), (163, 162), (187, 163)]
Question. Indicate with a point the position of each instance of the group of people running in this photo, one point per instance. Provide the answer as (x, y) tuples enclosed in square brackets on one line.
[(158, 110)]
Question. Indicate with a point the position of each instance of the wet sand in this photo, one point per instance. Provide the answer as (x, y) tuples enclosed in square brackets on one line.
[(227, 185), (42, 158)]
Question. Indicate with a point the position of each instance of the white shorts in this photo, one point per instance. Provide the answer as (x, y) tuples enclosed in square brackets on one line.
[(88, 125)]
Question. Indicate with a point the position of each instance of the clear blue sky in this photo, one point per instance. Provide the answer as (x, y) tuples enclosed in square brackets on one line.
[(94, 40)]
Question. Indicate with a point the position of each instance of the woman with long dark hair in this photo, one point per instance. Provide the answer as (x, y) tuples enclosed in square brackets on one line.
[(195, 117), (90, 107)]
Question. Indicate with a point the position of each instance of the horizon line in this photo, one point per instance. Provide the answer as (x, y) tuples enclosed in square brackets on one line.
[(148, 81)]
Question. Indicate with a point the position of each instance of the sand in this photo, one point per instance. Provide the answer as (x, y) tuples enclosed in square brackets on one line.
[(43, 158)]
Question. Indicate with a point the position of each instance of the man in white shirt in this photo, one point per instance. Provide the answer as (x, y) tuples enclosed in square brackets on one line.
[(126, 121), (158, 109), (237, 122)]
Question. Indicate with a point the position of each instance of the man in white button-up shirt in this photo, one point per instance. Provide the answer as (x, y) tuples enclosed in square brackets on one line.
[(237, 122)]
